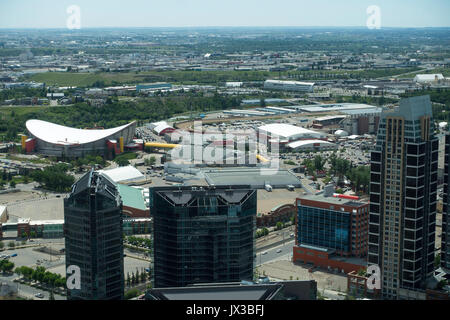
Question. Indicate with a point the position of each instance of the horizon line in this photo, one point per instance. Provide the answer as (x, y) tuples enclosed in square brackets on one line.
[(205, 27)]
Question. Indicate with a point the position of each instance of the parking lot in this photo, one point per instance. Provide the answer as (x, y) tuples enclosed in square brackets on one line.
[(287, 270)]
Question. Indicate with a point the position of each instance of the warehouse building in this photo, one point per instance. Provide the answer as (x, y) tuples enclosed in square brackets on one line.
[(287, 133), (289, 85), (124, 175)]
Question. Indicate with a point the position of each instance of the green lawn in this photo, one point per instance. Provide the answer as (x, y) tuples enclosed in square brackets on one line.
[(202, 77)]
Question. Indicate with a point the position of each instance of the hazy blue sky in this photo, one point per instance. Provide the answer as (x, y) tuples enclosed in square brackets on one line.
[(179, 13)]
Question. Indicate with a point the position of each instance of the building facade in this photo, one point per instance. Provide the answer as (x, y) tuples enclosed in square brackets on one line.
[(94, 238), (331, 232), (445, 244), (202, 234), (403, 191)]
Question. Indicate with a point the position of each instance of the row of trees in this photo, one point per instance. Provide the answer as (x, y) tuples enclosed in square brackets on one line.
[(42, 276), (136, 278), (11, 244), (339, 167), (261, 233), (139, 242), (54, 178)]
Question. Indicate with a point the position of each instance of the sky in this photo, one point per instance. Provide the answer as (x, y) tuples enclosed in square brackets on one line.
[(203, 13)]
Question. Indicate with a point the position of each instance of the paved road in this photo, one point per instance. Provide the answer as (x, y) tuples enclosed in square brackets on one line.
[(27, 291), (272, 254)]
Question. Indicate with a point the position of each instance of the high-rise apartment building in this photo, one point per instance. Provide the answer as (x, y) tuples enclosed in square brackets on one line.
[(94, 238), (445, 244), (403, 190), (202, 234)]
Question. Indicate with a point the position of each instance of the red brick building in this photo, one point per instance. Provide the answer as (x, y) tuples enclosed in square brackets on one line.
[(281, 213)]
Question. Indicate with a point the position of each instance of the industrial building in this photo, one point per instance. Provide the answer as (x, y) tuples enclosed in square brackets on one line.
[(428, 78), (93, 232), (289, 85), (153, 86), (55, 140), (341, 107), (287, 133), (124, 175), (360, 122), (332, 231), (257, 178), (202, 234), (403, 192), (248, 113)]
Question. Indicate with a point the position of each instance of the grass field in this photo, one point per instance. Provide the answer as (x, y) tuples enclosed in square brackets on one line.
[(202, 77)]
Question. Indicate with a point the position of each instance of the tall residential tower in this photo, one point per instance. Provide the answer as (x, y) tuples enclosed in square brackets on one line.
[(445, 244), (403, 190)]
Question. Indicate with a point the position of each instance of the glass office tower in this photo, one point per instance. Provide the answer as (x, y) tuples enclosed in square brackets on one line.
[(403, 190), (94, 238), (202, 234)]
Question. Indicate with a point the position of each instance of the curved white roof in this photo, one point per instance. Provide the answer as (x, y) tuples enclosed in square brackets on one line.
[(57, 134), (289, 131), (341, 133), (128, 173), (303, 143)]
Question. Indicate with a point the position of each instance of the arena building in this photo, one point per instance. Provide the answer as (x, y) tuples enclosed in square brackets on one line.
[(51, 139)]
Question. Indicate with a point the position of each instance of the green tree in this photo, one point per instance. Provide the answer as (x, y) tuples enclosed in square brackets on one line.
[(128, 280), (138, 278), (2, 245), (319, 162), (11, 244), (12, 184), (437, 260), (130, 294)]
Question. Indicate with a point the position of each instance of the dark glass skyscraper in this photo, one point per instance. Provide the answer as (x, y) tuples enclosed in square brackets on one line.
[(202, 234), (403, 190), (93, 236), (445, 245)]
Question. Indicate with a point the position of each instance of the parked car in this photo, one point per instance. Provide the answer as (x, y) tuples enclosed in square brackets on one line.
[(39, 295)]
